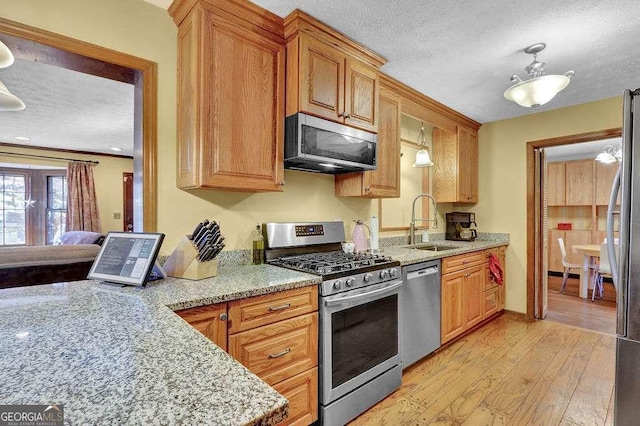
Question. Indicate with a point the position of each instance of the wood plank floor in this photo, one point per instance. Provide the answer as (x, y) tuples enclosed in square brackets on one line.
[(569, 309), (510, 372)]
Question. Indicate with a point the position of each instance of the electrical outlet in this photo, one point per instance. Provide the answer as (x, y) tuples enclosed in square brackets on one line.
[(117, 216)]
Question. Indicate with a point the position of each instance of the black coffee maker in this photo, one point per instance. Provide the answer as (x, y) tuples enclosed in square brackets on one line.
[(458, 226)]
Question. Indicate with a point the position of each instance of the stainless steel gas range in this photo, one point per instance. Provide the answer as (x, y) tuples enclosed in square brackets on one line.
[(359, 315)]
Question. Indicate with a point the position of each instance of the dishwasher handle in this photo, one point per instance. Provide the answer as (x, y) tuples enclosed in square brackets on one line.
[(422, 272)]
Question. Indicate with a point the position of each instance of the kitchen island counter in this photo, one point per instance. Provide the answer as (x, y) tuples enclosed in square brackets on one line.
[(121, 356)]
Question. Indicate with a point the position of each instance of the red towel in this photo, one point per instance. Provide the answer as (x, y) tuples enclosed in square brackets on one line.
[(495, 269)]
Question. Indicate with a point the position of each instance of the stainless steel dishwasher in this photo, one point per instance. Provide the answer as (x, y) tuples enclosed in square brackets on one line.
[(420, 311)]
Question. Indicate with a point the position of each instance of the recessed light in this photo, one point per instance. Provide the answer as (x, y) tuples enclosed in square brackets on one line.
[(116, 149), (23, 138)]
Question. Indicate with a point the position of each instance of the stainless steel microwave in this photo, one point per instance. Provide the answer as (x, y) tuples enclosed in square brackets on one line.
[(317, 145)]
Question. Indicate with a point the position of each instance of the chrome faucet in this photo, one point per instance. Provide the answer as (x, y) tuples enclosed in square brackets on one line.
[(412, 225)]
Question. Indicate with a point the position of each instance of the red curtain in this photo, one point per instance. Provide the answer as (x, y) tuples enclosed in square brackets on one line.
[(82, 204)]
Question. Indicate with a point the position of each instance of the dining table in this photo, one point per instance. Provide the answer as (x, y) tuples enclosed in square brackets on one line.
[(589, 253)]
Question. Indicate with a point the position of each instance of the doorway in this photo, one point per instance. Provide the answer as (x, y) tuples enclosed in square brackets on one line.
[(579, 220), (69, 53)]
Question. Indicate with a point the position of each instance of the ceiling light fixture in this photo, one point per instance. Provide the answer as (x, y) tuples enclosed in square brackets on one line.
[(540, 88), (422, 156), (116, 149), (8, 101), (23, 138), (610, 155)]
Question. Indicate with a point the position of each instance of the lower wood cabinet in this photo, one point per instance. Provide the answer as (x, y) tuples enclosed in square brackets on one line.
[(276, 337), (469, 295)]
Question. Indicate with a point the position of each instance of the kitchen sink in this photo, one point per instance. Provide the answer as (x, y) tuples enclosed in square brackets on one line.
[(433, 247)]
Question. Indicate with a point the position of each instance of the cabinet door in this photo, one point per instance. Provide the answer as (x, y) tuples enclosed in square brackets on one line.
[(575, 238), (445, 166), (556, 185), (321, 80), (473, 294), (579, 183), (468, 165), (210, 320), (384, 182), (605, 173), (452, 316), (361, 96), (302, 393), (555, 256), (491, 302), (243, 109)]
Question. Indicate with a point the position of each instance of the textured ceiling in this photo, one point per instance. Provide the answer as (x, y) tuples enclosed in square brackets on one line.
[(67, 109)]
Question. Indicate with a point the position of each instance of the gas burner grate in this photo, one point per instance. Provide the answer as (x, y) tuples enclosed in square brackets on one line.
[(331, 262)]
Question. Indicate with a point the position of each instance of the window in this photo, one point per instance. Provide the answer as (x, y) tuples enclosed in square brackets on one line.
[(13, 217), (56, 212)]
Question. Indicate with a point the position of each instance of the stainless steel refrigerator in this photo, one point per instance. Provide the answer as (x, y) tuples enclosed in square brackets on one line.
[(626, 267)]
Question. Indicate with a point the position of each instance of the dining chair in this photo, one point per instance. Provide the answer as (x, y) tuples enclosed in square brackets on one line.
[(566, 265), (604, 268)]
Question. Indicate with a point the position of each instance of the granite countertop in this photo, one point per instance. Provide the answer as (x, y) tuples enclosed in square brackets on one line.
[(121, 356), (407, 255)]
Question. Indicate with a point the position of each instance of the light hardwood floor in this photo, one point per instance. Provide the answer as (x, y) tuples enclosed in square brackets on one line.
[(567, 308), (509, 372)]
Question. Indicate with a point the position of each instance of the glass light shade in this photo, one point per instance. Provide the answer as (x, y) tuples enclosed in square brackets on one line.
[(606, 158), (536, 91), (618, 155), (9, 101), (423, 159), (6, 57)]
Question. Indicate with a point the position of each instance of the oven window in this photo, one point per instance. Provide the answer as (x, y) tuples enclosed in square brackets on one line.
[(363, 337)]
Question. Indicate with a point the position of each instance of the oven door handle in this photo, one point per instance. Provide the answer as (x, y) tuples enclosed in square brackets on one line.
[(363, 296)]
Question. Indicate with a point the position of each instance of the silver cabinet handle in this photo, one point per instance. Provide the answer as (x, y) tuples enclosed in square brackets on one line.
[(223, 317), (341, 114), (281, 183), (279, 354), (347, 116), (279, 308), (367, 189)]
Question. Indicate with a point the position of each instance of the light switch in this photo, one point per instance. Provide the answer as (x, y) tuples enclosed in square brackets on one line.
[(116, 215)]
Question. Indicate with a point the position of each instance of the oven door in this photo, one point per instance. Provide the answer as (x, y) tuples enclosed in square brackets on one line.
[(359, 337)]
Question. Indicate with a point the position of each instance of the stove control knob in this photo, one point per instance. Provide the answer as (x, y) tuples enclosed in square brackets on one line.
[(384, 274), (393, 272), (367, 277), (351, 282), (337, 285)]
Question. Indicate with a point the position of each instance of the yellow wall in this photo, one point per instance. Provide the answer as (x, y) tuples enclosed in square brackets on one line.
[(502, 175), (107, 178)]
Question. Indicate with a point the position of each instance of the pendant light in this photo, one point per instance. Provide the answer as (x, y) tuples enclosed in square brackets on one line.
[(8, 101), (422, 156), (540, 88), (610, 155)]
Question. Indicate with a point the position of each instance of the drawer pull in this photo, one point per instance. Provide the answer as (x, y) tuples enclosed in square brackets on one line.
[(279, 308), (279, 354)]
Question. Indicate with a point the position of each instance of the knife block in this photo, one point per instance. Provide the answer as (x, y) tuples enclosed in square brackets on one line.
[(184, 263)]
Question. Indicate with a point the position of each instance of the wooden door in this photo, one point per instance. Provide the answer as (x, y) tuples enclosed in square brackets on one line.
[(555, 184), (321, 80), (243, 108), (452, 306), (579, 182), (473, 295), (210, 320), (361, 96), (127, 202)]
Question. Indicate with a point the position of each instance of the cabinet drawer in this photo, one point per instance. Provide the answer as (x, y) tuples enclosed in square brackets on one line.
[(463, 261), (302, 393), (489, 283), (278, 351), (249, 313), (491, 304)]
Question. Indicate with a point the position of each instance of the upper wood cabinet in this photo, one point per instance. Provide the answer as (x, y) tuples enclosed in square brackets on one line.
[(329, 75), (455, 170), (579, 183), (231, 81), (605, 174), (555, 184), (384, 182)]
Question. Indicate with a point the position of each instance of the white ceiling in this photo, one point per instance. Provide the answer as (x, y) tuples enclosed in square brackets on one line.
[(67, 109), (579, 151)]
